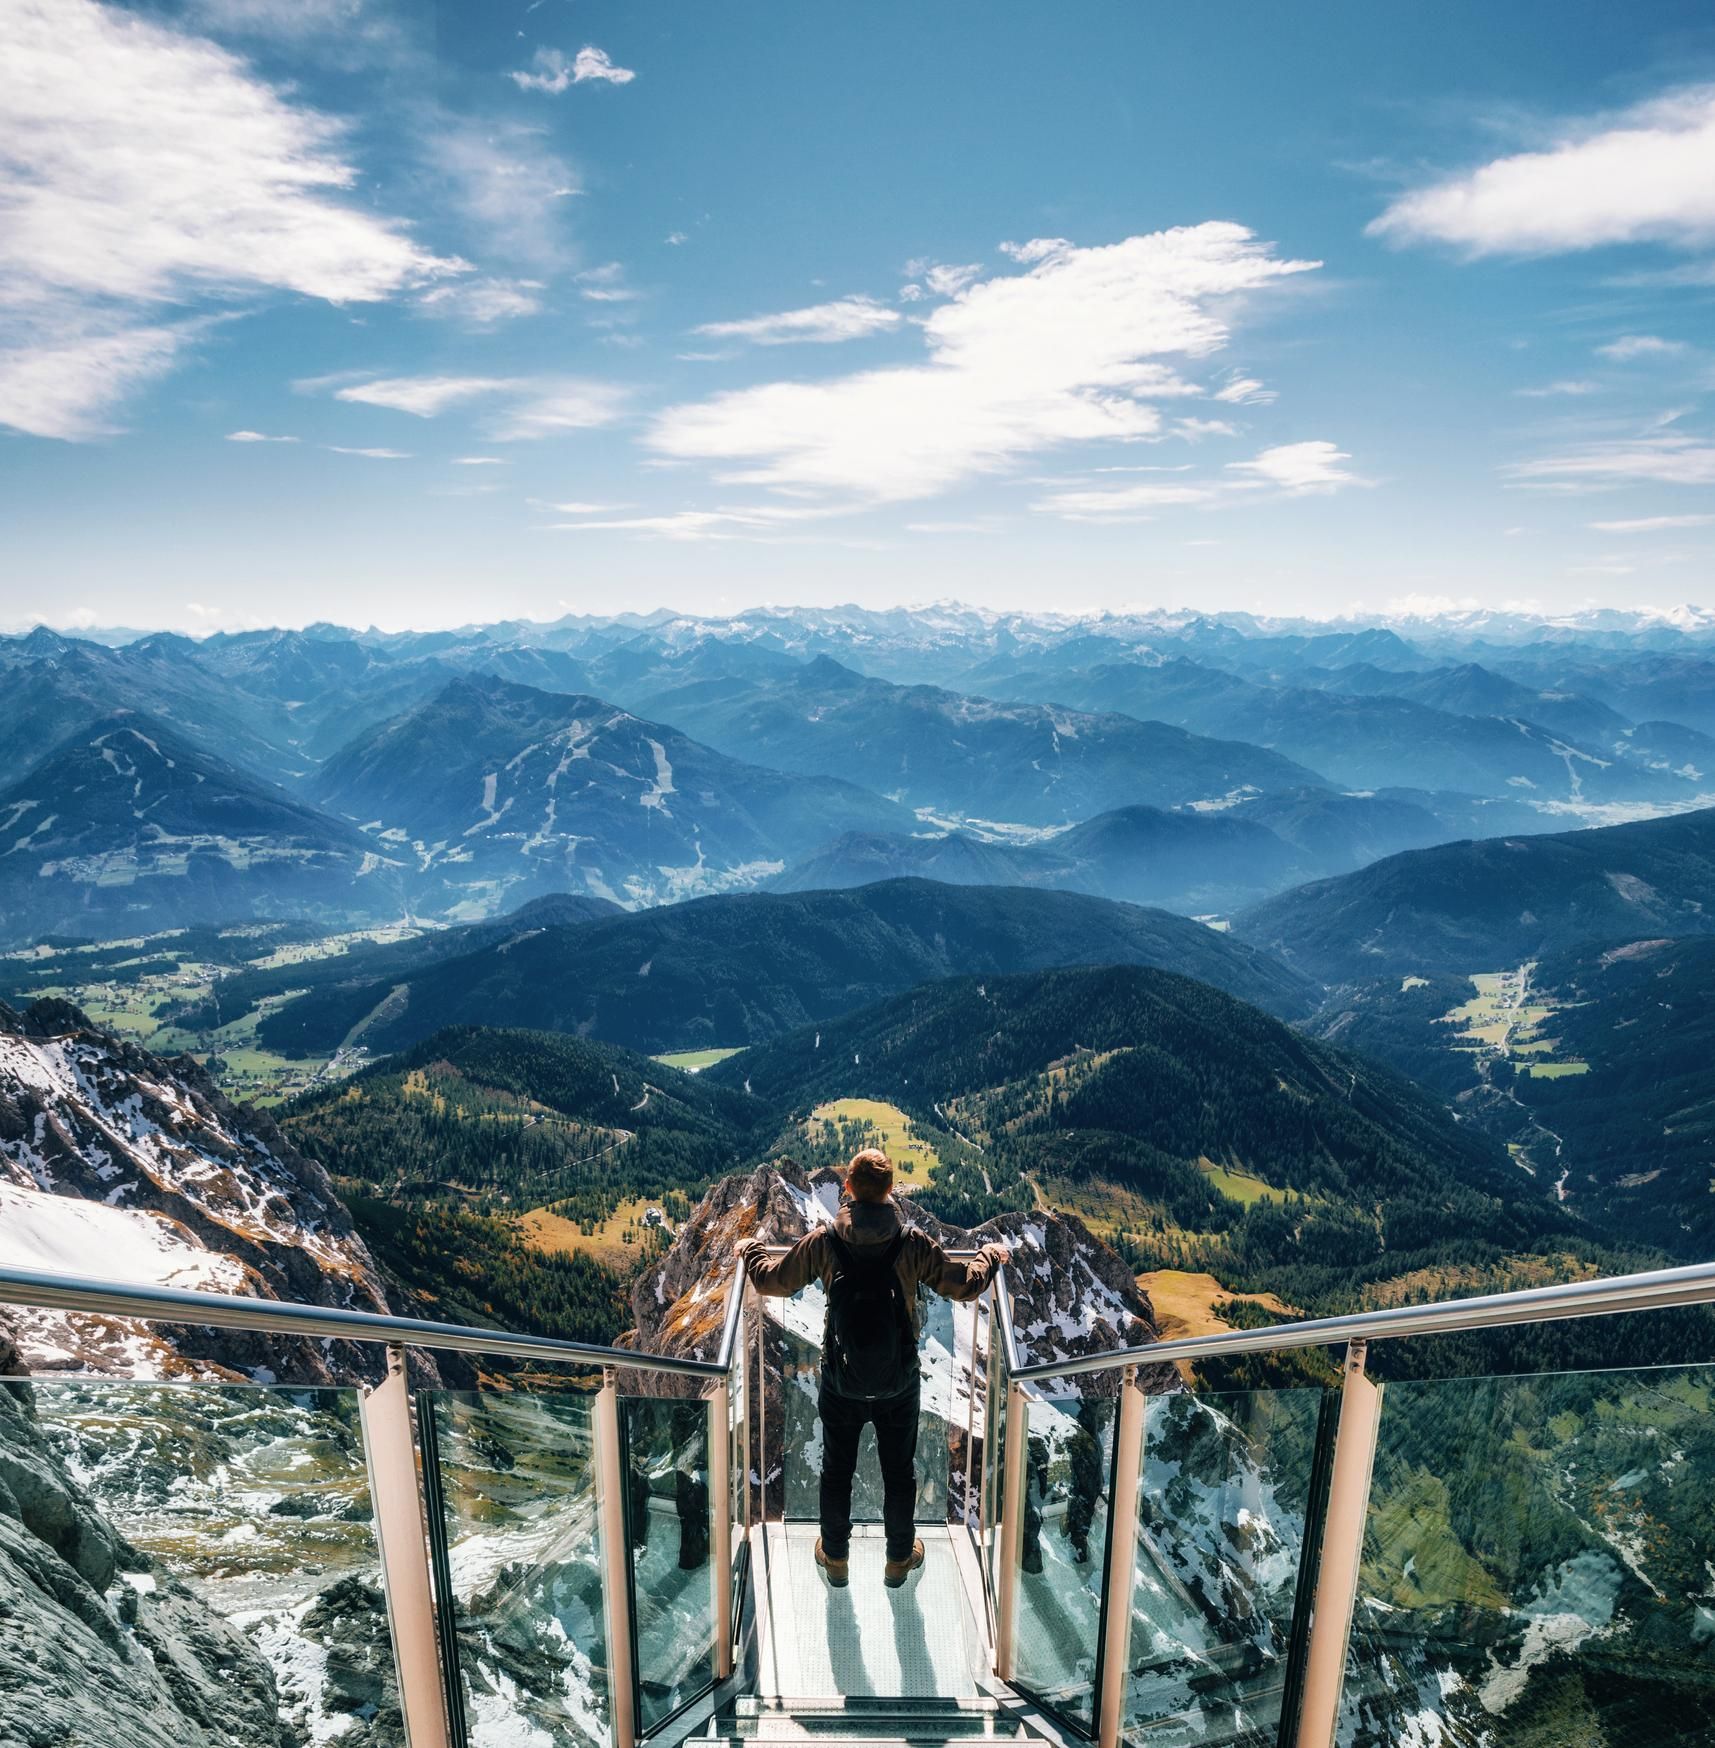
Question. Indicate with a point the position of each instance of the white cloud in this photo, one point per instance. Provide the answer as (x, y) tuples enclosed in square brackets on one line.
[(1646, 176), (579, 509), (534, 406), (142, 167), (1245, 391), (1665, 460), (1294, 469), (510, 188), (674, 238), (369, 454), (256, 437), (1072, 350), (1195, 430), (847, 318), (1551, 390), (65, 383), (554, 73), (480, 461), (1630, 346), (423, 396), (553, 407), (1298, 467), (1125, 503), (950, 281), (1652, 524), (748, 522), (484, 302), (605, 284)]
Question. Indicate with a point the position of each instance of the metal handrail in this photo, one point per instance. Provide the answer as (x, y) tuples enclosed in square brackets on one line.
[(57, 1292), (1657, 1289)]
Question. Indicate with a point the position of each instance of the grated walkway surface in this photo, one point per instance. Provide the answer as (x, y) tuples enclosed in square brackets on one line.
[(917, 1642)]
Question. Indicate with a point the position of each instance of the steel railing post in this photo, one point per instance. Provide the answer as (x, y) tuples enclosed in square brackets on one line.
[(616, 1563), (748, 1380), (1121, 1574), (720, 1526), (1013, 1485), (966, 1510), (1341, 1553), (402, 1541)]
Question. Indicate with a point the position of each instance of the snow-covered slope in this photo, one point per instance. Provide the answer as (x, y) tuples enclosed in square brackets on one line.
[(125, 1166)]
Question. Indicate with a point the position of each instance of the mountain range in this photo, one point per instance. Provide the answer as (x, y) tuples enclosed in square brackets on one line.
[(732, 970), (126, 825), (497, 792), (1479, 906)]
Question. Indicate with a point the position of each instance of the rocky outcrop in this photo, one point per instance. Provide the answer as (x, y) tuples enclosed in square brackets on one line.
[(134, 1166), (97, 1642), (1071, 1294)]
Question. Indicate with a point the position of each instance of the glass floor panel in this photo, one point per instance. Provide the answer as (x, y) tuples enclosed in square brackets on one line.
[(917, 1642)]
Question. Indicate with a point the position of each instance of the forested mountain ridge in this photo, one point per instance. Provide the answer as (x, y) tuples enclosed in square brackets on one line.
[(1194, 1128), (1597, 1076), (739, 968), (1478, 906)]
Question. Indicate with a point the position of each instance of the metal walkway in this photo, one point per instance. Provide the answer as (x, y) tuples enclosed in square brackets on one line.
[(865, 1641)]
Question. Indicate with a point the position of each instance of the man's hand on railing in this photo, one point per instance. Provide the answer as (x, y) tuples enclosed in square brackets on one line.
[(742, 1251), (995, 1255)]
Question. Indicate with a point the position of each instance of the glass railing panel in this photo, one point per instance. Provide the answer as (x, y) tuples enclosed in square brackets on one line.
[(1226, 1489), (796, 1335), (1062, 1546), (227, 1530), (666, 1443), (523, 1548), (1539, 1564)]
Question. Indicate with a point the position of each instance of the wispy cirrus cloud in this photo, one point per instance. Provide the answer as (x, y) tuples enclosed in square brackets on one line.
[(523, 407), (1568, 386), (424, 396), (484, 303), (1078, 347), (1289, 469), (256, 437), (846, 318), (552, 72), (1664, 459), (1631, 346), (1644, 176), (1315, 466), (1653, 524), (190, 180), (368, 454)]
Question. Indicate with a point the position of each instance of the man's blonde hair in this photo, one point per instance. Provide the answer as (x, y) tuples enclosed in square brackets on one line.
[(869, 1177)]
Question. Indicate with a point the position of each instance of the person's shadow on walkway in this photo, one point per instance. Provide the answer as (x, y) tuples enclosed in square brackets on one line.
[(845, 1644), (911, 1642)]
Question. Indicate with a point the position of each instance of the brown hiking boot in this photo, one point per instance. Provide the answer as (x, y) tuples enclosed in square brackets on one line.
[(839, 1571), (895, 1572)]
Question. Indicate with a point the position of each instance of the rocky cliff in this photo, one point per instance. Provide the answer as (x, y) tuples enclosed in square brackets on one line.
[(117, 1162)]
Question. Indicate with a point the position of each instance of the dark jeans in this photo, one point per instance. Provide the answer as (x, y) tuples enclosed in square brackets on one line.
[(895, 1421)]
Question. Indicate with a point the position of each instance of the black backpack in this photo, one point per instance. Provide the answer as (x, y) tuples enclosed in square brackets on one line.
[(869, 1349)]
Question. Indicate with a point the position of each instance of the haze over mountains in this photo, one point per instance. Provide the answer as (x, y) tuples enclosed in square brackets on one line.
[(647, 758)]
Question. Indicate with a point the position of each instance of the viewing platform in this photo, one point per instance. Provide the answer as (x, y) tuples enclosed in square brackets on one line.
[(628, 1557)]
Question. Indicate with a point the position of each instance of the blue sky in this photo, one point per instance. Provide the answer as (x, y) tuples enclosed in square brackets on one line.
[(422, 315)]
